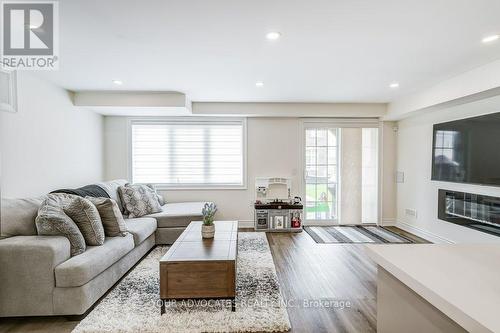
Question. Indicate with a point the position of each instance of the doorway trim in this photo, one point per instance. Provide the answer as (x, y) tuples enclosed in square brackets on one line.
[(339, 123)]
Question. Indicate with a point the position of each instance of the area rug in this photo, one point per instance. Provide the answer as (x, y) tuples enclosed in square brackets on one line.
[(355, 234), (133, 305)]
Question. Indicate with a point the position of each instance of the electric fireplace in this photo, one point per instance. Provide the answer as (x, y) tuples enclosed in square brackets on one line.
[(475, 211)]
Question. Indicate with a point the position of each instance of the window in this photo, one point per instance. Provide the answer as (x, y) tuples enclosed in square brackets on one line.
[(444, 145), (187, 153)]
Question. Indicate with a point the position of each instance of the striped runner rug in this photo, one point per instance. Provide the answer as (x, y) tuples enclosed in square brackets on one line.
[(355, 234)]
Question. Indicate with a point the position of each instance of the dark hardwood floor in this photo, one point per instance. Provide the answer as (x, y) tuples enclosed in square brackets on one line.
[(327, 287), (325, 273)]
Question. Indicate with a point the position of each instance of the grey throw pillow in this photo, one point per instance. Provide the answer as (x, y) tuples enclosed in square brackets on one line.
[(52, 221), (139, 200), (111, 216), (87, 218), (161, 199), (111, 187)]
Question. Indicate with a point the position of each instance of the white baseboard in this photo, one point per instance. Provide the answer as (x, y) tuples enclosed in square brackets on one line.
[(245, 224), (423, 233), (388, 221)]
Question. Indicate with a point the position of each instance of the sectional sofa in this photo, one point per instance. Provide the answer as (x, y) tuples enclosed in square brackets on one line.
[(38, 277)]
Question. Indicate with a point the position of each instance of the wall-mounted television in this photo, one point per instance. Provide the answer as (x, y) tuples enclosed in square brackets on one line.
[(467, 150)]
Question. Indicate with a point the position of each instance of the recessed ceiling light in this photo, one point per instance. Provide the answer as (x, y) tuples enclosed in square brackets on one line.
[(259, 84), (273, 35), (394, 85), (118, 82), (491, 38)]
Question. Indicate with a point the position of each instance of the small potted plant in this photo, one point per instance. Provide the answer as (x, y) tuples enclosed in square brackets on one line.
[(208, 227)]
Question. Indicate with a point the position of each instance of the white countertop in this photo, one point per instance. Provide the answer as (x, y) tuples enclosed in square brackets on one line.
[(463, 281)]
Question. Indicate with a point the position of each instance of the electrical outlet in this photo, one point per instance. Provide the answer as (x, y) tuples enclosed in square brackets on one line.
[(411, 212), (400, 177)]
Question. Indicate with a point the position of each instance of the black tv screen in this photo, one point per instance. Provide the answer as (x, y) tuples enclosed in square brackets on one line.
[(467, 150)]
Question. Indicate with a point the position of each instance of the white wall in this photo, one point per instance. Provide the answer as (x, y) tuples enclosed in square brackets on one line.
[(116, 162), (388, 163), (280, 109), (418, 192), (48, 144), (274, 149)]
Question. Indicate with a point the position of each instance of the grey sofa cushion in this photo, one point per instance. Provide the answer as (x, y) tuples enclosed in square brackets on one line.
[(168, 235), (111, 216), (141, 228), (138, 200), (77, 300), (87, 218), (79, 270), (111, 187), (52, 221), (27, 273), (178, 214), (18, 216)]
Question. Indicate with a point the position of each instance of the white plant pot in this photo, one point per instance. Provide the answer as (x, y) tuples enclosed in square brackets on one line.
[(208, 231)]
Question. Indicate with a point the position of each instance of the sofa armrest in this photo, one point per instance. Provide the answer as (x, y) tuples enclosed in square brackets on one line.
[(27, 277)]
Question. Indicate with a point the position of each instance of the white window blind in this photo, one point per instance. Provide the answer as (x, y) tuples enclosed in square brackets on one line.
[(188, 153)]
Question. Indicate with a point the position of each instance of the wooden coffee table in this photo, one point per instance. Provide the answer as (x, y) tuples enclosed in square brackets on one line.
[(201, 268)]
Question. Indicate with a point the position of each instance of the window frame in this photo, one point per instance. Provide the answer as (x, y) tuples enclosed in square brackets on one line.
[(442, 148), (316, 164), (191, 120)]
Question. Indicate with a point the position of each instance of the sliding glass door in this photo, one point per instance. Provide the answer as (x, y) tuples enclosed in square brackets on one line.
[(341, 170), (369, 175), (321, 174)]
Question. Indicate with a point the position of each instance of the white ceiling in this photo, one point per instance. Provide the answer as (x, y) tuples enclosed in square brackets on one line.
[(330, 50)]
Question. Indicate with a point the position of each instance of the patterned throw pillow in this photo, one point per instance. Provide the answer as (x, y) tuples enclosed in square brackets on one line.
[(111, 216), (161, 199), (138, 200), (52, 221), (86, 216)]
